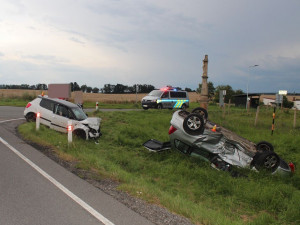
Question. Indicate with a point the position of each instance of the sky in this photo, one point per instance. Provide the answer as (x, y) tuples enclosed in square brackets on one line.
[(157, 42)]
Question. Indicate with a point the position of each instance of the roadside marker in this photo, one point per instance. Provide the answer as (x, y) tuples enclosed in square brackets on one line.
[(74, 197), (70, 129), (38, 121)]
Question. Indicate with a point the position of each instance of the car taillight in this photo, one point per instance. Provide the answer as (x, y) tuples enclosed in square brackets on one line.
[(28, 105), (292, 166), (172, 130)]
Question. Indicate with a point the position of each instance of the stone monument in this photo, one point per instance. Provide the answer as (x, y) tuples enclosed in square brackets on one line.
[(204, 90)]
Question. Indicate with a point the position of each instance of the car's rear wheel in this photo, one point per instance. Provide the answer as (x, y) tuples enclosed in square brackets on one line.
[(183, 107), (264, 146), (30, 117), (202, 112), (266, 161), (193, 124), (159, 106), (145, 108)]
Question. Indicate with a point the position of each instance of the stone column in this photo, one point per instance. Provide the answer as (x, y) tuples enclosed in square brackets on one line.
[(204, 90)]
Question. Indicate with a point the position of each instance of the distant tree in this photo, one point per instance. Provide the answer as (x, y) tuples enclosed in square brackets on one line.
[(211, 89), (119, 88), (188, 89), (239, 92), (286, 103), (229, 92), (41, 87), (24, 86), (89, 89), (108, 88), (145, 88), (83, 88), (76, 87), (95, 90)]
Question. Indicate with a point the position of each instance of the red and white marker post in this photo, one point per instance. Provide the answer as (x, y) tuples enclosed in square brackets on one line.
[(70, 129), (38, 121)]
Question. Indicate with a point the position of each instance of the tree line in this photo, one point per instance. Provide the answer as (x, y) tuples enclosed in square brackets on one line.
[(107, 88)]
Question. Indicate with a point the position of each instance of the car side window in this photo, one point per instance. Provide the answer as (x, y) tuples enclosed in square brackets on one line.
[(61, 111), (165, 95), (45, 103), (176, 94)]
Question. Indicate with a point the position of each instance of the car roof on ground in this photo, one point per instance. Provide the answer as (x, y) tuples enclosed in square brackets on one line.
[(61, 101)]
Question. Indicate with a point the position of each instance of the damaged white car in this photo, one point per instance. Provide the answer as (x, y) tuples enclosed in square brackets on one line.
[(193, 135), (55, 113)]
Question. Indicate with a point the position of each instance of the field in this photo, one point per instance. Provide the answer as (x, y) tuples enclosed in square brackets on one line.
[(87, 97), (187, 186)]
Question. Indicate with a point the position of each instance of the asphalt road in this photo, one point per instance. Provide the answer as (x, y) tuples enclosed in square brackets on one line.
[(36, 190)]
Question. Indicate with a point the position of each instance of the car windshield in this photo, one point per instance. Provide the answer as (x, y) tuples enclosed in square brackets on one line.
[(79, 114), (155, 93)]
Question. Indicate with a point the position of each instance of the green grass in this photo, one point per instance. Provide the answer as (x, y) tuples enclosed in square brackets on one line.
[(184, 185)]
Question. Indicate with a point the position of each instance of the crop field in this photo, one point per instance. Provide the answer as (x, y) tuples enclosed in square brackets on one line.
[(184, 185), (87, 97)]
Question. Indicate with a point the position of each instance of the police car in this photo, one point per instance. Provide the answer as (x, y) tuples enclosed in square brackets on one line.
[(166, 98)]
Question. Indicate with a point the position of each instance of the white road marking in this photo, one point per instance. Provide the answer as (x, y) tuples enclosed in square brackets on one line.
[(79, 201), (4, 121)]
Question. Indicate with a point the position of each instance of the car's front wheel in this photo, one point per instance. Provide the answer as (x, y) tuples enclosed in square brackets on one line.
[(80, 134), (264, 146), (193, 124)]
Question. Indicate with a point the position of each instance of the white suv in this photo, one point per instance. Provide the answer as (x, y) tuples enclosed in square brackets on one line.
[(55, 113)]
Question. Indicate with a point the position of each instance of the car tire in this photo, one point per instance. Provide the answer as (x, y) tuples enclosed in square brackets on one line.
[(193, 124), (264, 146), (80, 134), (183, 107), (266, 161), (145, 108), (30, 117), (159, 106), (202, 112)]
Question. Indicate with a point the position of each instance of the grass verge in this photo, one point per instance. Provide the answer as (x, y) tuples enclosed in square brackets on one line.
[(187, 186)]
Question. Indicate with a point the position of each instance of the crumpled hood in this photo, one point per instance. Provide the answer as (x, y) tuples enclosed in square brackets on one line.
[(93, 122)]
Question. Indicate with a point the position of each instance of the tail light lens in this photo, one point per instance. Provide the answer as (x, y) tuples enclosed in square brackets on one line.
[(172, 130), (28, 105), (292, 166)]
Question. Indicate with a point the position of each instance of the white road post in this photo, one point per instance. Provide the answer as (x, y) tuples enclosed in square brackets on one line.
[(70, 129), (37, 121), (96, 106)]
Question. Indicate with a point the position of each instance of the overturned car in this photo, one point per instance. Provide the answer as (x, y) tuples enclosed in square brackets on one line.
[(193, 135), (55, 113)]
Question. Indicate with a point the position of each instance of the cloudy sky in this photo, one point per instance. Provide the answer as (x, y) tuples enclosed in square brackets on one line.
[(158, 42)]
